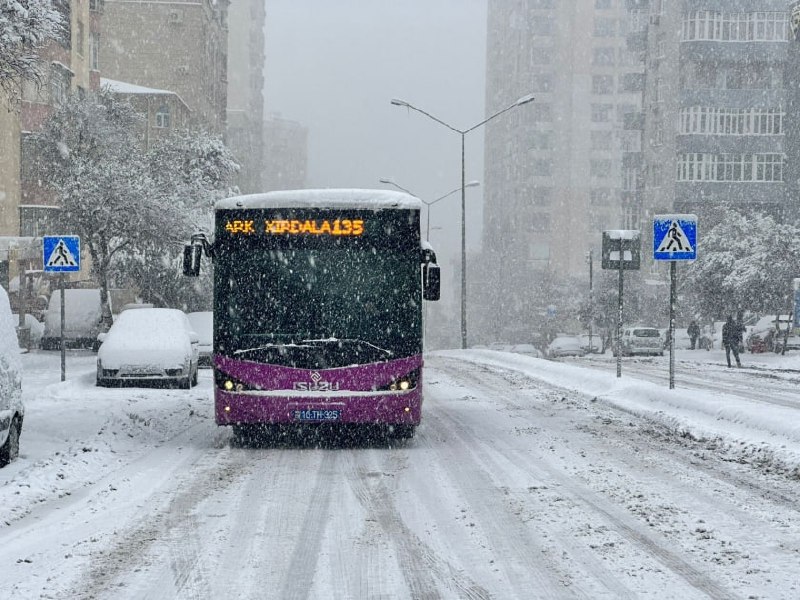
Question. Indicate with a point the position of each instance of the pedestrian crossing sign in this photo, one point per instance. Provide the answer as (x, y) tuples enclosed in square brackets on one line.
[(675, 237), (61, 253)]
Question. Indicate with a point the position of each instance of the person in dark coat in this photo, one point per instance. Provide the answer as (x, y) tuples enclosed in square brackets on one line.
[(731, 336), (694, 332)]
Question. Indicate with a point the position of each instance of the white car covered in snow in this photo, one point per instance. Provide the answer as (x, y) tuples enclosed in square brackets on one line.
[(11, 408), (149, 344)]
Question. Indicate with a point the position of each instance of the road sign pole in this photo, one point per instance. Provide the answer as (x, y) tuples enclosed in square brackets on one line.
[(63, 343), (672, 302), (618, 343)]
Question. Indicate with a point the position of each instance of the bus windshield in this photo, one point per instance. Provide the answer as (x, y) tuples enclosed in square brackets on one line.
[(325, 304)]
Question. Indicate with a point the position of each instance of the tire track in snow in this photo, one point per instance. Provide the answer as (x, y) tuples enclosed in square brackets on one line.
[(305, 556), (419, 564), (496, 381)]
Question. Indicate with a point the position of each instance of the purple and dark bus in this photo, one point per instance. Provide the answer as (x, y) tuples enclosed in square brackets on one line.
[(318, 298)]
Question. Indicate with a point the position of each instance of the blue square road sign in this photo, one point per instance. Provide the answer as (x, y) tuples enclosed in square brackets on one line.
[(61, 253), (675, 237)]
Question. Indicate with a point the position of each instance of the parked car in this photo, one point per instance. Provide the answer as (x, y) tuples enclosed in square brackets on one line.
[(149, 344), (35, 327), (203, 324), (768, 334), (565, 345), (595, 346), (528, 349), (12, 410), (82, 319), (641, 340)]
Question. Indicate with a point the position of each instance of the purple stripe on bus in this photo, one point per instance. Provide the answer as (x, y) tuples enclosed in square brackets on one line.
[(358, 378)]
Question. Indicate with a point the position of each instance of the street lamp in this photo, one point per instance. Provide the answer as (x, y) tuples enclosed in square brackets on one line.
[(463, 133), (427, 203)]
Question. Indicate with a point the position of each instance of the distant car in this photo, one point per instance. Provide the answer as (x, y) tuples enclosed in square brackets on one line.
[(594, 347), (641, 340), (82, 319), (149, 345), (769, 333), (203, 324), (565, 345), (528, 349), (12, 410)]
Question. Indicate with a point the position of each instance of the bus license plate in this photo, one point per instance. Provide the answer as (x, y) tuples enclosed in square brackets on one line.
[(317, 415)]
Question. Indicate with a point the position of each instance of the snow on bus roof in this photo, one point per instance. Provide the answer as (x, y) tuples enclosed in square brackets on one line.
[(323, 198)]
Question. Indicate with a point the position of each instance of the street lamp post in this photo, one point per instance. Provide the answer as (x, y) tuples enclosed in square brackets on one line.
[(463, 133), (426, 202)]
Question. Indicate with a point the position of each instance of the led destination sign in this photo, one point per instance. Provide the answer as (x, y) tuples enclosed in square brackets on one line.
[(319, 227)]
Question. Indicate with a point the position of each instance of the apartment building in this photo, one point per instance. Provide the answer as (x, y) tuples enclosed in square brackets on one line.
[(285, 154), (554, 167), (69, 64), (715, 103), (179, 46), (245, 111)]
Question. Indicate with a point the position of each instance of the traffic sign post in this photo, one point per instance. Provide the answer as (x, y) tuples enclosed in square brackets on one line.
[(622, 249), (61, 254), (674, 239)]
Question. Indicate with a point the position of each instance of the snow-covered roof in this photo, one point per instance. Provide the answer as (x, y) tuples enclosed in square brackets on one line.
[(123, 87), (324, 198)]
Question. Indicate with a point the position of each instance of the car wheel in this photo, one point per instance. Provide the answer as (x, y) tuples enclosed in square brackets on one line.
[(10, 449), (102, 382)]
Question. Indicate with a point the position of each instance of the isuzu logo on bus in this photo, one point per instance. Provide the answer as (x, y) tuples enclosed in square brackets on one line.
[(316, 384)]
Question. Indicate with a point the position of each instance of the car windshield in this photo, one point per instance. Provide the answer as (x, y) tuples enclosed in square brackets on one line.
[(646, 333)]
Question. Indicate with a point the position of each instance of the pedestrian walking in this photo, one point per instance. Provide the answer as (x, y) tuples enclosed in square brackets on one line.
[(731, 337), (694, 332)]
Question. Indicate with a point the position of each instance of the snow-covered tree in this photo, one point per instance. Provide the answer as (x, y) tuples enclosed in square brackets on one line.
[(746, 262), (190, 170), (89, 156), (25, 26)]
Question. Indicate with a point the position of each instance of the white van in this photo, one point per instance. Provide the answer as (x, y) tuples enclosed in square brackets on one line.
[(11, 408), (82, 319)]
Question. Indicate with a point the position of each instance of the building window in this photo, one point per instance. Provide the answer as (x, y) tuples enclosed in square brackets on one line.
[(601, 113), (541, 140), (704, 120), (602, 4), (163, 117), (94, 51), (757, 167), (59, 84), (707, 25), (600, 196), (541, 56), (603, 57), (80, 46), (600, 168), (602, 140), (604, 27), (542, 167), (602, 84), (36, 221)]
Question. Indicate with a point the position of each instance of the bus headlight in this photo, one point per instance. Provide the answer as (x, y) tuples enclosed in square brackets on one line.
[(231, 384), (403, 383)]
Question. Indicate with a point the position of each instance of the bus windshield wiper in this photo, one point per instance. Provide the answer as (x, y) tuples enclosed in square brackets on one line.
[(347, 341)]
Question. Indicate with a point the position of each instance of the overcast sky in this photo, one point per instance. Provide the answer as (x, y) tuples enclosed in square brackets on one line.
[(334, 66)]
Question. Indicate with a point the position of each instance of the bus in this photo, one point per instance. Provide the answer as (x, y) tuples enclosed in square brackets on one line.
[(318, 309)]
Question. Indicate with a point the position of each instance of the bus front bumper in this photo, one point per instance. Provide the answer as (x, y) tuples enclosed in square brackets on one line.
[(375, 408)]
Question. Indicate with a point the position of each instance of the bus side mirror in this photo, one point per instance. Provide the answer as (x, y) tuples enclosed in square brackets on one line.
[(191, 260), (431, 281)]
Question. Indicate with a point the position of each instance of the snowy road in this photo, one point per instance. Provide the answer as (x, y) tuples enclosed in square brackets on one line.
[(512, 489)]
